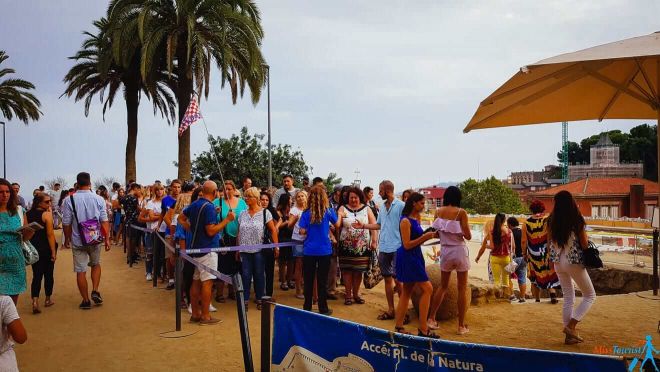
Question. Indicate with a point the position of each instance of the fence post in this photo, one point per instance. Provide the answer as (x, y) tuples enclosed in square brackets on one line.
[(242, 323), (265, 333), (155, 258), (178, 285)]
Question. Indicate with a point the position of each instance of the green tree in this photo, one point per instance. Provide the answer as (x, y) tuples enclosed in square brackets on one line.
[(189, 36), (247, 155), (489, 196), (331, 181), (98, 73), (15, 98)]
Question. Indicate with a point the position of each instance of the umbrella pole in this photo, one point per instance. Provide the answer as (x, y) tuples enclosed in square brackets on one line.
[(657, 162)]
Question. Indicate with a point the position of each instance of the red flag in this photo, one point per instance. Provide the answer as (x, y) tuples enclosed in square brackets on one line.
[(191, 116)]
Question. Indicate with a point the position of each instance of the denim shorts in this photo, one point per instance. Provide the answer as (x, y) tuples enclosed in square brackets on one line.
[(387, 263), (521, 270), (298, 250)]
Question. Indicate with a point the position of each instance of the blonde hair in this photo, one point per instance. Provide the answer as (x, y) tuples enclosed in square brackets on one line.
[(252, 192), (317, 204), (181, 202), (230, 182), (295, 198)]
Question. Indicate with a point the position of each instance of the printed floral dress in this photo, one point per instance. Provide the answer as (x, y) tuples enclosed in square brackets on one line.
[(12, 262)]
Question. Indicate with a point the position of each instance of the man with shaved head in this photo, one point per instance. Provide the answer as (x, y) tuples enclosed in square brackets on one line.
[(202, 219)]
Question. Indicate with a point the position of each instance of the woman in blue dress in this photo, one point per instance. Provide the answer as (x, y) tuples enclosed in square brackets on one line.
[(12, 262), (410, 268)]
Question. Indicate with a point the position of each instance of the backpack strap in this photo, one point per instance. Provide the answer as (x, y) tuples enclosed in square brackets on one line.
[(75, 213), (199, 214)]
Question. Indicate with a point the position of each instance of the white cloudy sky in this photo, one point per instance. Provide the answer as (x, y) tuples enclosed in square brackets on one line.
[(383, 87)]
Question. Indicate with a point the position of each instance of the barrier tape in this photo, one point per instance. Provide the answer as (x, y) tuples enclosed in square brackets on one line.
[(200, 266), (142, 229), (236, 248), (225, 278)]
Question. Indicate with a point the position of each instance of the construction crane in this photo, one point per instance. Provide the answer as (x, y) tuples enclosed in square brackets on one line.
[(564, 150)]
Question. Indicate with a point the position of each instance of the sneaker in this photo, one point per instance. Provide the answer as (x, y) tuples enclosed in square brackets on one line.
[(212, 308), (190, 309), (96, 297), (170, 285), (512, 298), (149, 277), (85, 305)]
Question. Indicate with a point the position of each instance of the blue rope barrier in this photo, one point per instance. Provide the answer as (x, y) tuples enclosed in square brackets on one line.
[(236, 248)]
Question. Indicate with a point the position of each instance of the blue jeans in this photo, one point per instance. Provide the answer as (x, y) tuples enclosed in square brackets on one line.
[(253, 266)]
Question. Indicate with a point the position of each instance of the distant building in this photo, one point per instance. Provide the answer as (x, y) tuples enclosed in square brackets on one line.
[(433, 195), (518, 178), (607, 197), (604, 161)]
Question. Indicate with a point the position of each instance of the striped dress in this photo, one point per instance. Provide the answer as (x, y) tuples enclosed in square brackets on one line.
[(540, 273)]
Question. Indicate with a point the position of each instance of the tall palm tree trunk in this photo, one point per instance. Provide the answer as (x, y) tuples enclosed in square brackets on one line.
[(184, 91), (132, 103)]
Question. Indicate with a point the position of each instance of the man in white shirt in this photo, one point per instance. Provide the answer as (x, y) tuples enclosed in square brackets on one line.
[(287, 187), (54, 203)]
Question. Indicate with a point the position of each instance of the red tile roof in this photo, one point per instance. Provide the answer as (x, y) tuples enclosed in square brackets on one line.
[(602, 186), (433, 192)]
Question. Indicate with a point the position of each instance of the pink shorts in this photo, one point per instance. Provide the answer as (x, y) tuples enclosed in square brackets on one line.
[(455, 257)]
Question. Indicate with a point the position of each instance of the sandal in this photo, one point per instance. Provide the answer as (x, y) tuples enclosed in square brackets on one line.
[(348, 301), (386, 316), (432, 324), (35, 310), (401, 330), (49, 303), (463, 330), (359, 300), (428, 334), (406, 319)]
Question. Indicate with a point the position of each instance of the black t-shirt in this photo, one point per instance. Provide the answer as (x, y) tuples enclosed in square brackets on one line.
[(517, 238)]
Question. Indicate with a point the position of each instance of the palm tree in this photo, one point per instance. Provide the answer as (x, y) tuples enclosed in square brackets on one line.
[(97, 72), (190, 35), (15, 100)]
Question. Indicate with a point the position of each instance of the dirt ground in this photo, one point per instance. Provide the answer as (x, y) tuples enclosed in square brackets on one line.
[(123, 333)]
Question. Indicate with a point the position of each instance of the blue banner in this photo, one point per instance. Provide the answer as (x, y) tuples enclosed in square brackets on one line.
[(306, 341)]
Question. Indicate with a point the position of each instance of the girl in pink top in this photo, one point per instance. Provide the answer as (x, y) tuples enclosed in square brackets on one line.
[(452, 225)]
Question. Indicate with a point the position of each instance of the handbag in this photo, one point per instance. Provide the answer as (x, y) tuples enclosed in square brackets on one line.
[(591, 257), (511, 267), (373, 276), (90, 230), (30, 253)]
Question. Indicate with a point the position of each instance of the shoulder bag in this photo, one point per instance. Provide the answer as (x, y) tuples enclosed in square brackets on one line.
[(591, 257), (90, 230), (30, 253)]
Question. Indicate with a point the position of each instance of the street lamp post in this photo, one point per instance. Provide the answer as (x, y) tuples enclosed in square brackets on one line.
[(270, 156), (4, 152)]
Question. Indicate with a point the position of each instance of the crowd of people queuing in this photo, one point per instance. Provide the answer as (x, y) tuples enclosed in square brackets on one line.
[(333, 236)]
